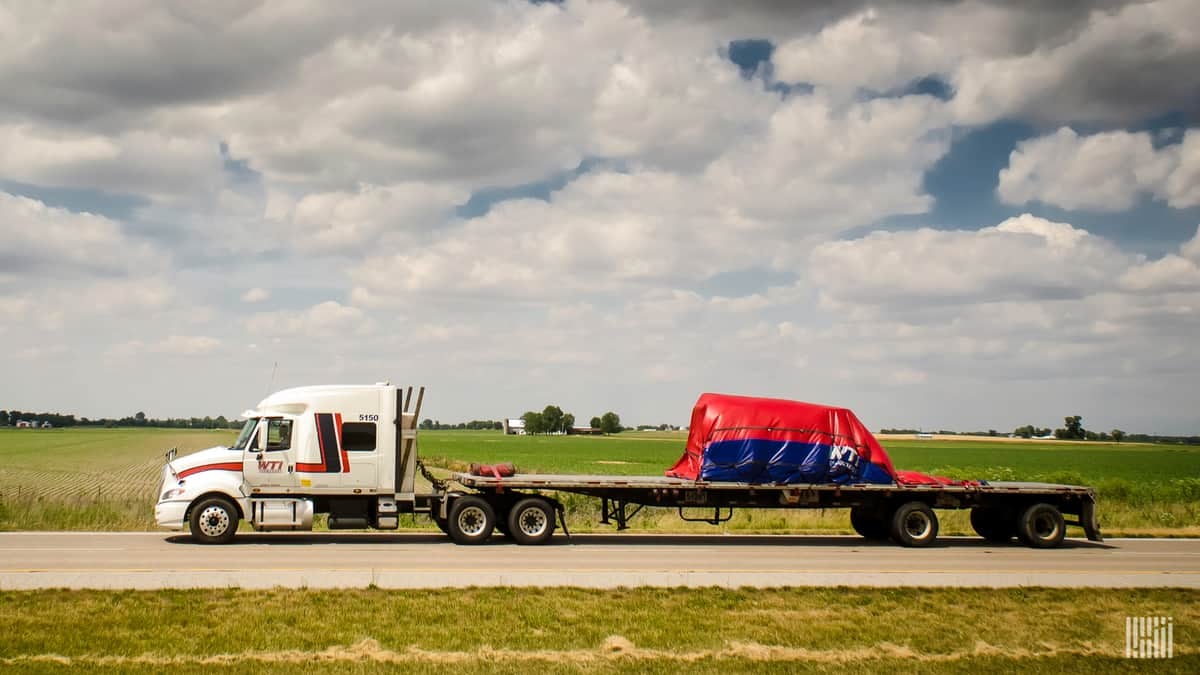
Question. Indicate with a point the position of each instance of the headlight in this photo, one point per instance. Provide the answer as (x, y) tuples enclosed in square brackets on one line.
[(171, 493)]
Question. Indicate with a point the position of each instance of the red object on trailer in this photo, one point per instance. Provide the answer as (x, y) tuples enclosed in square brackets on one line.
[(767, 440), (780, 441)]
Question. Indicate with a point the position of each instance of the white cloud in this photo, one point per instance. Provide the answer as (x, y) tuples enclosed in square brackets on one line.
[(768, 197), (1023, 258), (325, 319), (153, 163), (1104, 171), (187, 345), (49, 242), (864, 50), (370, 217), (1106, 63), (256, 294)]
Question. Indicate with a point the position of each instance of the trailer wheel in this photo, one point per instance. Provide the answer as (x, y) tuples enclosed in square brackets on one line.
[(914, 524), (868, 523), (471, 520), (214, 521), (996, 525), (531, 521), (1041, 526)]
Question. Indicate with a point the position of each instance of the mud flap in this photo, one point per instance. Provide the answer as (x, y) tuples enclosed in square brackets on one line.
[(1087, 518)]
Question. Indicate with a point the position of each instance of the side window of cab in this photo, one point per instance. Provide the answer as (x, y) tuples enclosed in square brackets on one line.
[(279, 434)]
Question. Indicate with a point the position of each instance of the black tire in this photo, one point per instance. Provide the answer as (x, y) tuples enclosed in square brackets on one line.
[(442, 523), (914, 524), (214, 520), (998, 526), (1041, 526), (531, 521), (472, 520), (869, 523)]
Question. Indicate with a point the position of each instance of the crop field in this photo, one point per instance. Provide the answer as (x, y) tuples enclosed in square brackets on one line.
[(106, 478)]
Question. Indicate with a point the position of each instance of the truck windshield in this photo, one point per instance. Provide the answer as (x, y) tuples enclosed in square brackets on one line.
[(247, 432)]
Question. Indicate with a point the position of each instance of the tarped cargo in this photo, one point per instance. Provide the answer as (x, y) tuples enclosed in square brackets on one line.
[(763, 440)]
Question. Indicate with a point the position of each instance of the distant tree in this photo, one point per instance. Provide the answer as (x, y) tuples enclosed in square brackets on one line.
[(1117, 435), (991, 432), (534, 423), (595, 423), (568, 421), (139, 418), (552, 419), (1073, 428), (498, 425), (610, 423), (221, 422), (14, 416), (3, 418)]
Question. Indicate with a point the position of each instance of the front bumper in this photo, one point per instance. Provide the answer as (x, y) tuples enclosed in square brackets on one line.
[(170, 514)]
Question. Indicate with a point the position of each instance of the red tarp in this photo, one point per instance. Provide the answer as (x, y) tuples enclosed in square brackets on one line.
[(752, 439)]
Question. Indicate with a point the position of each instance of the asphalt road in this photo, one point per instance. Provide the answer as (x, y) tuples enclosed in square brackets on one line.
[(326, 560)]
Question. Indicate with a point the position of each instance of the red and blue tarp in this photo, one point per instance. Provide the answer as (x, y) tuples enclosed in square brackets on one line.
[(746, 439)]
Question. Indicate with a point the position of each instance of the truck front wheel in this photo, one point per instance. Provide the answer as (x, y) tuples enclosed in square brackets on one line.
[(914, 524), (214, 521), (1041, 526), (471, 520), (531, 521)]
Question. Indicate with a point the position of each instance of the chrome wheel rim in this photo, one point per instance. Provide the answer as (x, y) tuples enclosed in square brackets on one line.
[(533, 522), (214, 521), (472, 521)]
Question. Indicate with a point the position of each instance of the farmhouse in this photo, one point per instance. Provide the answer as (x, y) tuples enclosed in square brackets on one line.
[(514, 426), (24, 424)]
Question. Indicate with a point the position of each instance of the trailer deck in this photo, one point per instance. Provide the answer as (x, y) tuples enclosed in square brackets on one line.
[(623, 496)]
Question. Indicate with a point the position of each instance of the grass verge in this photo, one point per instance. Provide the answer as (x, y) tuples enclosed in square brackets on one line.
[(568, 630)]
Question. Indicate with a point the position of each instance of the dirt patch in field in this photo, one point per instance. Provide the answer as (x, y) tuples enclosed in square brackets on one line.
[(613, 647)]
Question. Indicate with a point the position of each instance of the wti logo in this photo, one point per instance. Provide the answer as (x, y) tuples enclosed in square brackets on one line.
[(270, 465), (843, 461)]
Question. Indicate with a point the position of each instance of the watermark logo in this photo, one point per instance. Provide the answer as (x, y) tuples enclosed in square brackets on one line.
[(1149, 637)]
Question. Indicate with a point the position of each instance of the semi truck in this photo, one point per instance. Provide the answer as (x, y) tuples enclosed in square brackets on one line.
[(351, 452)]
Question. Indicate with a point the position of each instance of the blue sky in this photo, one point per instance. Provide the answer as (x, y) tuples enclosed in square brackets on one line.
[(953, 215)]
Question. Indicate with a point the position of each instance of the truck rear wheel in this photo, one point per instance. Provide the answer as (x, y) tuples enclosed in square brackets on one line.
[(869, 523), (914, 524), (531, 521), (471, 520), (442, 523), (213, 521), (996, 525), (1041, 526)]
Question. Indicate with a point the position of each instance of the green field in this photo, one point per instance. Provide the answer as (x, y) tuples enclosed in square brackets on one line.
[(106, 478), (644, 630)]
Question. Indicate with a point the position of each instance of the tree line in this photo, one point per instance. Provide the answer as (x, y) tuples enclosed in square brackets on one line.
[(11, 417), (476, 425), (552, 420)]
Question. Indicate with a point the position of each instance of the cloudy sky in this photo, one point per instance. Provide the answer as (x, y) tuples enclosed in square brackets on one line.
[(940, 214)]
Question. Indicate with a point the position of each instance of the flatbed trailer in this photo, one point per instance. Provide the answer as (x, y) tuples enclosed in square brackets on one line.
[(1032, 512)]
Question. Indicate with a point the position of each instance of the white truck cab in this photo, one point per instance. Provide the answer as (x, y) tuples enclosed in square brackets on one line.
[(346, 450)]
